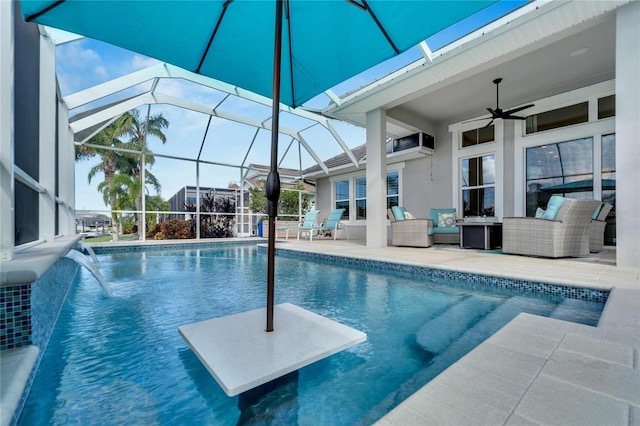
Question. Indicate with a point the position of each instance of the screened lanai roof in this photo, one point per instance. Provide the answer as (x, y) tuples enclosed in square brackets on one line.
[(212, 109)]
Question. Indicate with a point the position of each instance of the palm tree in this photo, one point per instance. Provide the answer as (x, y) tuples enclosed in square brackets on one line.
[(111, 161), (116, 162), (138, 132)]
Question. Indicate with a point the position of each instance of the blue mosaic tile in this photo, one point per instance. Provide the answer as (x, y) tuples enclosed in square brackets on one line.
[(464, 279), (15, 316), (174, 246)]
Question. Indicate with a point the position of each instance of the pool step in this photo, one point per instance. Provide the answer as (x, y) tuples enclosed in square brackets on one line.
[(438, 334), (16, 365)]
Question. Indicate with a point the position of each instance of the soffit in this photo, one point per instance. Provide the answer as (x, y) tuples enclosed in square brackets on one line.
[(531, 54)]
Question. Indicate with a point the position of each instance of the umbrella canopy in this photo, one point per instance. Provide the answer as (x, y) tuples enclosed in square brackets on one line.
[(310, 45), (579, 186), (323, 42)]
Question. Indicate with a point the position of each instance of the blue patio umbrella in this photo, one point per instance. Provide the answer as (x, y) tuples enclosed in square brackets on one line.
[(310, 45), (579, 186)]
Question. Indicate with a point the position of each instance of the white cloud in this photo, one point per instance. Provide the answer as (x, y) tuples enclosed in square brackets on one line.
[(101, 71), (139, 62)]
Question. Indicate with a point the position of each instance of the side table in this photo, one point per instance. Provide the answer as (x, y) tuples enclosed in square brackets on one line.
[(480, 235)]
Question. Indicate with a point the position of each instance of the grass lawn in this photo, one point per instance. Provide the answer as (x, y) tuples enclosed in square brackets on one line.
[(104, 238)]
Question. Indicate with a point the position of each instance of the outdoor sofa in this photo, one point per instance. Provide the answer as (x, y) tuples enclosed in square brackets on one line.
[(563, 231), (409, 232), (445, 230), (596, 229)]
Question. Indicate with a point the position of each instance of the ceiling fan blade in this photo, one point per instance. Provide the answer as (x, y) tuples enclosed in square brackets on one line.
[(489, 123), (514, 110), (512, 117), (493, 112)]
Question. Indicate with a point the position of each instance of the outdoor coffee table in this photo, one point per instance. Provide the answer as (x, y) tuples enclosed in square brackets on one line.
[(480, 235)]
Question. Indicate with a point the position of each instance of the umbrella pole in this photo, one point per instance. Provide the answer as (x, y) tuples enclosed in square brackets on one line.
[(273, 180)]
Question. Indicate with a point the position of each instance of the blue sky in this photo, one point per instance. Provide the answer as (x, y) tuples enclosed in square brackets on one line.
[(85, 63)]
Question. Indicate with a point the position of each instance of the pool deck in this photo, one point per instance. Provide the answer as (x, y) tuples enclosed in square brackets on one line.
[(535, 370)]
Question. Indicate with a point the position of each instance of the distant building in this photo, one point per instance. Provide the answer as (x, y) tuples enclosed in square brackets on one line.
[(90, 222), (289, 178), (188, 195)]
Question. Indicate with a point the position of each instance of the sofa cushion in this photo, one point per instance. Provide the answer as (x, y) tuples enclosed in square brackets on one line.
[(409, 215), (446, 230), (553, 207), (433, 214), (597, 212), (446, 220), (540, 212), (398, 212)]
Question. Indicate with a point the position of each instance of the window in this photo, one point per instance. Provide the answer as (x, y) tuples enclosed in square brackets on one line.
[(343, 200), (564, 168), (361, 198), (607, 107), (478, 136), (573, 114), (478, 178), (342, 197), (608, 175), (393, 189)]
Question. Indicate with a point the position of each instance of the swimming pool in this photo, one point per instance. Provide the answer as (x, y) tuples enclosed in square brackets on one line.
[(120, 360)]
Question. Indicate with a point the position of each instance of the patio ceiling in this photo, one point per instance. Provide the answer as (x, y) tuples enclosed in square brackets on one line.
[(551, 47)]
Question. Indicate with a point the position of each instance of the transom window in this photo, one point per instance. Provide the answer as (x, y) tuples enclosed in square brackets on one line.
[(556, 118), (478, 136)]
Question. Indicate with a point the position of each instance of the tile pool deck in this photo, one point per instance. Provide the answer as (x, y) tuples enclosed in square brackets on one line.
[(535, 370)]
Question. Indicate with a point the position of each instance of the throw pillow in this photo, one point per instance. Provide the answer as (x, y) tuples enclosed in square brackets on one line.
[(398, 212), (446, 220), (540, 212), (597, 212), (553, 207), (409, 216)]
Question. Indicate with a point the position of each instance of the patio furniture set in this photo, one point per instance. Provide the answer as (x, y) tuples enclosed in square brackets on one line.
[(329, 226), (566, 228)]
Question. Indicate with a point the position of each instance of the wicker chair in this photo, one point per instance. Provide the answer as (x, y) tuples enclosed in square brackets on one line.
[(444, 234), (565, 236), (411, 232), (596, 229)]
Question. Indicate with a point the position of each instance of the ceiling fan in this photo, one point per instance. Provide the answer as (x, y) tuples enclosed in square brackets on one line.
[(499, 112)]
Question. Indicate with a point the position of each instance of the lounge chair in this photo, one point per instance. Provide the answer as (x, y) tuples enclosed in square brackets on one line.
[(444, 229), (331, 224), (410, 232), (561, 234), (596, 229), (306, 226)]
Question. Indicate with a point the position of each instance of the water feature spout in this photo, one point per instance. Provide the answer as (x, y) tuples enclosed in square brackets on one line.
[(82, 260), (82, 247)]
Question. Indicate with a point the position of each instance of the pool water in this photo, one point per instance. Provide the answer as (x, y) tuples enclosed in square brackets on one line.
[(120, 360)]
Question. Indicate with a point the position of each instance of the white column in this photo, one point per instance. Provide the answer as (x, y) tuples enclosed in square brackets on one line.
[(47, 137), (628, 135), (6, 131), (66, 172), (376, 179)]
